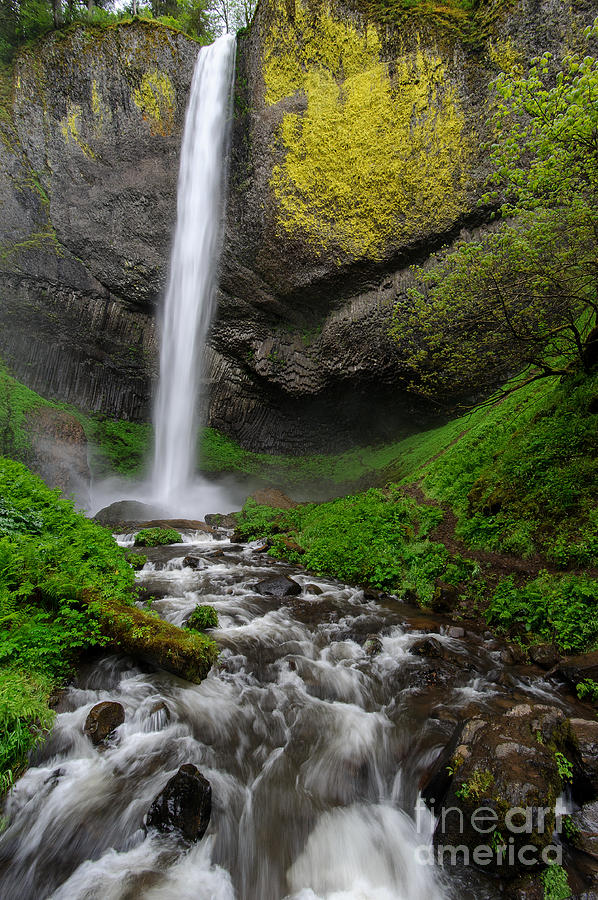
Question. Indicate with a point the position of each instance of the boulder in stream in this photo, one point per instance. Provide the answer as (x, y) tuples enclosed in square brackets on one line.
[(183, 805), (102, 720), (505, 776), (278, 586)]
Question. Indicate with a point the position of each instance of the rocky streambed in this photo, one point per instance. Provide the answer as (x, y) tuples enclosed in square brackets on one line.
[(341, 742)]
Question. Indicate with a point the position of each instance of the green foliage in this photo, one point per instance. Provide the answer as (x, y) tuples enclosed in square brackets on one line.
[(524, 295), (562, 609), (136, 561), (556, 884), (564, 766), (587, 690), (477, 786), (570, 829), (202, 618), (118, 446), (51, 559), (155, 537), (378, 538)]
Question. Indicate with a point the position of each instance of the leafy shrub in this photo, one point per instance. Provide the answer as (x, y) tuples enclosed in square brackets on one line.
[(202, 618), (155, 537), (556, 884), (136, 560), (558, 608), (587, 690)]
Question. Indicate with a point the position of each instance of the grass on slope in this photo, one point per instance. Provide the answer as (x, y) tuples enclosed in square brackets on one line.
[(65, 586), (522, 479)]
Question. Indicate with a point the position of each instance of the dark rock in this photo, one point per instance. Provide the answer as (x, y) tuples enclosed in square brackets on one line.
[(370, 593), (372, 645), (278, 586), (313, 589), (585, 772), (544, 655), (593, 405), (160, 713), (218, 520), (435, 782), (455, 631), (184, 805), (428, 647), (273, 497), (445, 597), (502, 764), (513, 655), (124, 511), (193, 562), (574, 669), (102, 720)]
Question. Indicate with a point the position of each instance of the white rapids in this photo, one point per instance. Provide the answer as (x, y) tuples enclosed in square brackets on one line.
[(313, 745)]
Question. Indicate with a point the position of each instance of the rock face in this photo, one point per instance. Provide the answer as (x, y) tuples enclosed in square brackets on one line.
[(59, 451), (184, 805), (497, 782), (88, 170), (102, 720), (355, 153)]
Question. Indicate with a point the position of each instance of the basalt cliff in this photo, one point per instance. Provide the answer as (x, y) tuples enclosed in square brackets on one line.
[(355, 152)]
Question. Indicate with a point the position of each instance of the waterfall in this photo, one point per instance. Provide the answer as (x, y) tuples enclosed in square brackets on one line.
[(193, 266)]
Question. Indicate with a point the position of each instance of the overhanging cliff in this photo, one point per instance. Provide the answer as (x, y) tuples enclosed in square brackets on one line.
[(356, 152)]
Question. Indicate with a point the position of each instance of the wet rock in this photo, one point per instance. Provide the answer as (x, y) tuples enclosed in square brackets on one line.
[(313, 589), (58, 452), (372, 645), (428, 647), (273, 497), (102, 720), (184, 805), (528, 887), (436, 781), (278, 586), (445, 597), (161, 712), (218, 520), (193, 562), (544, 655), (585, 773), (574, 669), (513, 655), (455, 631), (499, 765), (261, 546), (125, 511)]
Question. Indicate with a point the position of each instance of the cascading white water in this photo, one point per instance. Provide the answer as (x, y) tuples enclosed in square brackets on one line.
[(193, 266)]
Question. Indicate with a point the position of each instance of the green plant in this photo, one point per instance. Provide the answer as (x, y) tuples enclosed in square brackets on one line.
[(556, 884), (570, 829), (587, 690), (155, 537), (202, 618), (564, 766), (136, 560), (477, 786)]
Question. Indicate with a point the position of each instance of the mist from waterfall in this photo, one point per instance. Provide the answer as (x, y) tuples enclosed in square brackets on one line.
[(189, 300)]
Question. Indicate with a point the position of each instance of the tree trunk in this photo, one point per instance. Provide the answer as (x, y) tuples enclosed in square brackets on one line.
[(57, 13)]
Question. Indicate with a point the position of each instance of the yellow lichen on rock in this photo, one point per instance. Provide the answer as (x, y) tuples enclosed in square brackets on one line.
[(155, 98), (505, 55), (100, 110), (294, 49), (372, 162), (71, 129)]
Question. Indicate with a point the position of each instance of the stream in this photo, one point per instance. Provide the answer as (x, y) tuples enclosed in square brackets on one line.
[(314, 732)]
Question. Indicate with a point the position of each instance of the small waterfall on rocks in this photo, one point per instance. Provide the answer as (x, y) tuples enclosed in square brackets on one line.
[(193, 265)]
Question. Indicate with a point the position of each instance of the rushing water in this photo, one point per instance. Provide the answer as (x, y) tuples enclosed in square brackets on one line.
[(313, 744), (193, 264)]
